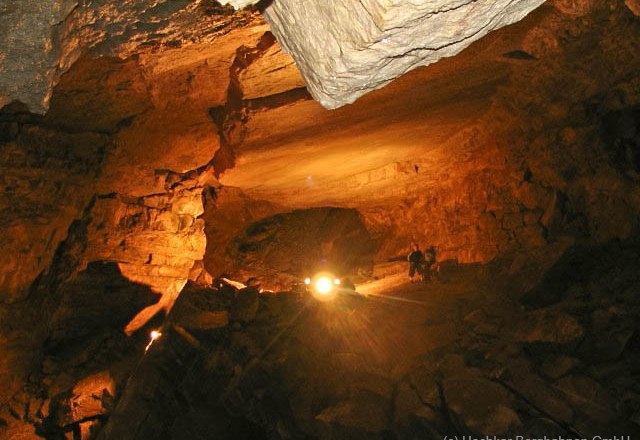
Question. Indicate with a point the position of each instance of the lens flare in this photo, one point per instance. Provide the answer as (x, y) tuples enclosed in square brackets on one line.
[(323, 285)]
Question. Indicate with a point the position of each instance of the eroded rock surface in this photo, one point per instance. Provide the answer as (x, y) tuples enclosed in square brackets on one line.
[(42, 40), (369, 368), (513, 151), (345, 51)]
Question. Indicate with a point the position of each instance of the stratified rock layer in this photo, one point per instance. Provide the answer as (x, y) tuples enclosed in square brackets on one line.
[(345, 50)]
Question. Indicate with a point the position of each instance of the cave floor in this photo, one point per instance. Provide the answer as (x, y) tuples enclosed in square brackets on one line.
[(477, 351), (521, 347)]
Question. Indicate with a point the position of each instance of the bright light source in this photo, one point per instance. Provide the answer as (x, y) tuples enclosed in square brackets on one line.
[(336, 282), (323, 285), (154, 335)]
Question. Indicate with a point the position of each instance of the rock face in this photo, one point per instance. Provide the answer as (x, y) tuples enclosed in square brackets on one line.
[(491, 181), (364, 369), (31, 49), (345, 51), (239, 4), (47, 178), (506, 154), (42, 40), (301, 243)]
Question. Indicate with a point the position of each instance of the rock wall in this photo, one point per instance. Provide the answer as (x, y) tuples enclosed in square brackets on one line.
[(540, 164), (345, 51), (47, 178), (42, 40)]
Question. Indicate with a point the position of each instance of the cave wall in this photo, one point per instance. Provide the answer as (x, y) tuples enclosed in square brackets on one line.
[(501, 148), (47, 179), (149, 163)]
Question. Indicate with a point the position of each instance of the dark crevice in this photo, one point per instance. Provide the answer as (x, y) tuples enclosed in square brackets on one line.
[(232, 117)]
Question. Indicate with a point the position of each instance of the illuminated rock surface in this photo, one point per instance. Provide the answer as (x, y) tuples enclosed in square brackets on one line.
[(345, 51), (41, 40)]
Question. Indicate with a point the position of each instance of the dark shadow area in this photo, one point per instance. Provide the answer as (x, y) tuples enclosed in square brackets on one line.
[(621, 133), (611, 266), (304, 241), (99, 298)]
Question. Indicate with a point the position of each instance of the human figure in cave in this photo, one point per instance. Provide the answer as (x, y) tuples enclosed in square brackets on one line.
[(416, 261), (430, 260)]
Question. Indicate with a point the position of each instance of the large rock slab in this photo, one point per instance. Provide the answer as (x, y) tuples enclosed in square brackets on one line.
[(347, 49)]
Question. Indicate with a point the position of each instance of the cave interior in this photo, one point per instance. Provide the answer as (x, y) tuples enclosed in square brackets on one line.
[(172, 171)]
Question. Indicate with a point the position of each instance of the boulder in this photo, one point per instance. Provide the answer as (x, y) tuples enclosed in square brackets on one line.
[(364, 416), (245, 305), (348, 49), (480, 405), (90, 398), (558, 366), (549, 326)]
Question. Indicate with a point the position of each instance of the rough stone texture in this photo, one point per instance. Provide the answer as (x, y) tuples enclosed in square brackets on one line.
[(342, 52), (155, 239), (345, 51), (239, 4), (511, 151), (42, 40), (451, 156), (293, 245), (634, 6), (30, 49), (47, 178), (274, 72), (366, 369)]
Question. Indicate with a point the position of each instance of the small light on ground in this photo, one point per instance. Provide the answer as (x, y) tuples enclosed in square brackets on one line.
[(154, 335)]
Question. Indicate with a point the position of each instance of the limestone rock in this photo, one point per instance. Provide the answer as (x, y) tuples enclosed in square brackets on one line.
[(345, 50), (39, 41), (245, 305), (89, 398), (558, 366), (355, 418), (29, 49), (633, 5), (480, 405), (239, 4), (46, 179), (550, 327), (154, 239), (274, 72)]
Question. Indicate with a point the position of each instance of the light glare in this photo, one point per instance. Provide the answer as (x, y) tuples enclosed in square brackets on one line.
[(324, 286), (155, 334)]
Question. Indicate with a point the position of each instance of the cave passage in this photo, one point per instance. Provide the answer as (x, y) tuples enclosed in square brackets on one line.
[(168, 183)]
